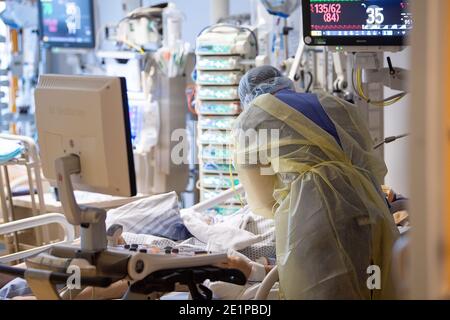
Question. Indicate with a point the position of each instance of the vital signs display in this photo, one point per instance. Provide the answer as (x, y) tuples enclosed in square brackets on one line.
[(356, 22)]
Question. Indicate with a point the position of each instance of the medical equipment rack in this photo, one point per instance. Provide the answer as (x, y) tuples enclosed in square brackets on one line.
[(221, 52), (29, 158)]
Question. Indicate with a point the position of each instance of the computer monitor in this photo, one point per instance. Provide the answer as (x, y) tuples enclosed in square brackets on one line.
[(356, 22), (67, 23), (88, 117)]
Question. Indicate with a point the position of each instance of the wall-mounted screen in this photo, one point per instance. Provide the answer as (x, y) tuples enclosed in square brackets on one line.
[(67, 23), (356, 22)]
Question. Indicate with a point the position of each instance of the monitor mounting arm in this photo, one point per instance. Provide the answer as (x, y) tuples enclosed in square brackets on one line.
[(91, 220), (375, 72), (340, 67)]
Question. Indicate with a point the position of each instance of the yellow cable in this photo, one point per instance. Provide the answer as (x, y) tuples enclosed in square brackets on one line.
[(362, 94), (132, 45), (233, 187), (359, 83)]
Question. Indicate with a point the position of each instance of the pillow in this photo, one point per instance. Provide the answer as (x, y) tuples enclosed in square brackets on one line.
[(157, 215)]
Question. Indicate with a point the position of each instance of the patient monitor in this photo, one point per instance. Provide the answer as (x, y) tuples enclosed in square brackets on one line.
[(357, 22)]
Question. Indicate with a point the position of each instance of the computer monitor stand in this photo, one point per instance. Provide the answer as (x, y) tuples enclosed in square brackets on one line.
[(151, 273), (90, 219)]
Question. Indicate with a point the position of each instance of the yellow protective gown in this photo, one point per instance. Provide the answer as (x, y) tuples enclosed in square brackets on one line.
[(332, 222)]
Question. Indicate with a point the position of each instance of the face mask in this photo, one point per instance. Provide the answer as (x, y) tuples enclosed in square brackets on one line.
[(281, 8)]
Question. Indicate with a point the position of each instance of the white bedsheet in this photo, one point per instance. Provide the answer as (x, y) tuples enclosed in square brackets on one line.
[(222, 236), (143, 225)]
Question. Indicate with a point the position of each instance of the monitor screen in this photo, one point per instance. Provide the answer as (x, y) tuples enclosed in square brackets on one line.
[(356, 22), (67, 23), (70, 115)]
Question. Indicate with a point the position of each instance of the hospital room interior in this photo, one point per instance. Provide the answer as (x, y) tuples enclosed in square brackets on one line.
[(224, 150)]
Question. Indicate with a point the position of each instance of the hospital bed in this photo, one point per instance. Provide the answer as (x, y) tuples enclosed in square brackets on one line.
[(265, 288), (46, 219)]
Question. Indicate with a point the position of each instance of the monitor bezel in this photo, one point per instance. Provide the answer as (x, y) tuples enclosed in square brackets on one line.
[(354, 41), (127, 120), (59, 44)]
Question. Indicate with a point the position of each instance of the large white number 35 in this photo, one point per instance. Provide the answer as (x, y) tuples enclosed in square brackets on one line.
[(376, 15)]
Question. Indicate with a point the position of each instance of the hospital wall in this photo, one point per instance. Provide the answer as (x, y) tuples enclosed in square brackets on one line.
[(396, 122)]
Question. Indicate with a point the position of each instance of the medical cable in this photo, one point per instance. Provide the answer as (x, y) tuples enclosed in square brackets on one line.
[(390, 140), (233, 187), (131, 45), (383, 103), (221, 176), (311, 82), (358, 89), (386, 102)]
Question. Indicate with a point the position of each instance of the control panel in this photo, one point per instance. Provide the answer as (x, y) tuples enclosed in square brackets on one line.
[(145, 260)]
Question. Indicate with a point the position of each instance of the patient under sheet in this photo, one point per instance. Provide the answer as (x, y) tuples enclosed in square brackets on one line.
[(242, 234), (158, 221)]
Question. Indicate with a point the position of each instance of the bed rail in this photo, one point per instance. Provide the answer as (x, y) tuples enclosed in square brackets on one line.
[(34, 222), (219, 199)]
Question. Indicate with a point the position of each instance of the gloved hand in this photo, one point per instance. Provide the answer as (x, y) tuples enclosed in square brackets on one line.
[(253, 271)]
